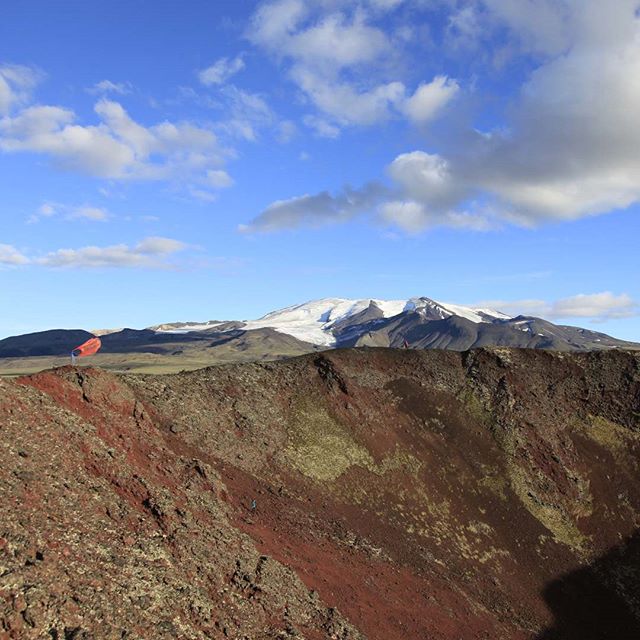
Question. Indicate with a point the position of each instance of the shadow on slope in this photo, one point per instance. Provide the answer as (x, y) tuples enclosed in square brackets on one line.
[(600, 601)]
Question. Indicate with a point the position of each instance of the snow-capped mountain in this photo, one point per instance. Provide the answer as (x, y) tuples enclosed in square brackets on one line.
[(315, 321), (420, 323)]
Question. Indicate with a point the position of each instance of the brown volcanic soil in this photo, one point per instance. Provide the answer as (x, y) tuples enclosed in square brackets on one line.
[(398, 494)]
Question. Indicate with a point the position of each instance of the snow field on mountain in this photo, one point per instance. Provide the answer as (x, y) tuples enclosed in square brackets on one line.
[(312, 321)]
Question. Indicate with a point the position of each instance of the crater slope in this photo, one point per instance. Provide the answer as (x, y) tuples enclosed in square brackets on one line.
[(359, 493)]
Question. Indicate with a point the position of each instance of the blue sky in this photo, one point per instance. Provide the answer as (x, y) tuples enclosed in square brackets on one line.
[(165, 160)]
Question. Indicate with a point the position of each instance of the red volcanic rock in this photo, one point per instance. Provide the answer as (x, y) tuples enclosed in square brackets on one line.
[(357, 494)]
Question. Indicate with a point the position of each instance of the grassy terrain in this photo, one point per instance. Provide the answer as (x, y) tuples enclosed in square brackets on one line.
[(151, 363), (138, 363)]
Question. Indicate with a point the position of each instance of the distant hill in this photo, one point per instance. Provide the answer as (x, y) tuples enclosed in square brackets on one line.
[(55, 342)]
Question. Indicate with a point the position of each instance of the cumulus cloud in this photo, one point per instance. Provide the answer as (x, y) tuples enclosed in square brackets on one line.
[(116, 148), (596, 307), (220, 71), (424, 196), (429, 99), (149, 253), (10, 256), (426, 178), (333, 53), (336, 42), (345, 103), (567, 146)]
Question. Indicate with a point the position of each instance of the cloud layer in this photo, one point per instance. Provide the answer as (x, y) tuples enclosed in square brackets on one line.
[(66, 212), (566, 148), (154, 252), (316, 210), (10, 256), (150, 253), (116, 147), (333, 52), (596, 307)]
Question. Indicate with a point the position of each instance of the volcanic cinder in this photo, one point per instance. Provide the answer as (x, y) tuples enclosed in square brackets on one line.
[(358, 493)]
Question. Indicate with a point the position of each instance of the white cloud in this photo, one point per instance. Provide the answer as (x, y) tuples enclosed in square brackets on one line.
[(202, 195), (10, 256), (414, 217), (66, 212), (463, 27), (159, 246), (336, 42), (46, 210), (106, 86), (429, 99), (345, 103), (50, 130), (219, 179), (408, 215), (567, 148), (220, 71), (90, 213), (248, 113), (338, 59), (426, 178), (321, 127), (150, 253), (16, 84), (596, 307), (316, 210), (424, 196), (116, 148), (273, 22)]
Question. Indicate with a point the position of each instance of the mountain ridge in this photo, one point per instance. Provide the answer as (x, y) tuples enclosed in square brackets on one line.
[(317, 325)]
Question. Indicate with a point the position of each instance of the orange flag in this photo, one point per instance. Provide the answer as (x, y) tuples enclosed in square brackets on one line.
[(87, 348)]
